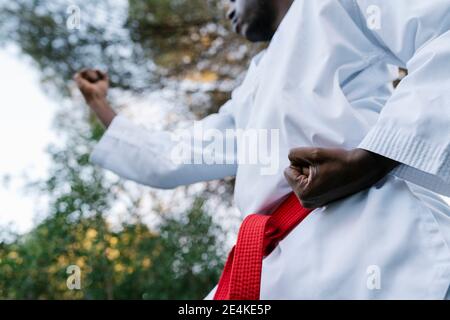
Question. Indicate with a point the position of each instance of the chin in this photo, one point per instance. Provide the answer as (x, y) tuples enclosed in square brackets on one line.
[(258, 36), (257, 33)]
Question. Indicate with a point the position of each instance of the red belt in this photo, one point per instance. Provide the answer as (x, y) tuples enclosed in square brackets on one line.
[(258, 236)]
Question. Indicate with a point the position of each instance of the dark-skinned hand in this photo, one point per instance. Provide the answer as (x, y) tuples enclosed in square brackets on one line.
[(94, 85), (319, 176)]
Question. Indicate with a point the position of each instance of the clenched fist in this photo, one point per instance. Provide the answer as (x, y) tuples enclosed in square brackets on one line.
[(320, 176), (94, 85)]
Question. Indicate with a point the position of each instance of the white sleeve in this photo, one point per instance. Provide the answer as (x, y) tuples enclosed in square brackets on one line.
[(414, 126), (147, 157)]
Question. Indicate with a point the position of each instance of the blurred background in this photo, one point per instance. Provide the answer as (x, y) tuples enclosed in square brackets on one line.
[(170, 62)]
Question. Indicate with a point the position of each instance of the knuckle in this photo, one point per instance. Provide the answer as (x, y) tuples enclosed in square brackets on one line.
[(316, 153), (292, 153), (288, 173)]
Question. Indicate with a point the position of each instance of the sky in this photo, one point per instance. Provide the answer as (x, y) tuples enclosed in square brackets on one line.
[(25, 132)]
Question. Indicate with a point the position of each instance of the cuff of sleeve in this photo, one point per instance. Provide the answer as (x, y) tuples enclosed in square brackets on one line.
[(123, 129), (120, 130), (422, 162)]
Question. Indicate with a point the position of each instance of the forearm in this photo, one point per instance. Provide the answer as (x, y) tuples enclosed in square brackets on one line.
[(102, 110)]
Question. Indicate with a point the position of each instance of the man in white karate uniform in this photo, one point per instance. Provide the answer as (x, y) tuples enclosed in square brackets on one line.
[(324, 83)]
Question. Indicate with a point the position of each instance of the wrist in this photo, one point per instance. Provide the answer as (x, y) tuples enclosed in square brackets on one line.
[(374, 162), (97, 102)]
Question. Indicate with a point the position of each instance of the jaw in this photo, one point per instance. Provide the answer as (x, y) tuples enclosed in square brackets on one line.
[(255, 33), (262, 26), (258, 24)]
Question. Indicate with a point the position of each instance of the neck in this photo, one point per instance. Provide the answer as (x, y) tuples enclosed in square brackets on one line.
[(282, 7)]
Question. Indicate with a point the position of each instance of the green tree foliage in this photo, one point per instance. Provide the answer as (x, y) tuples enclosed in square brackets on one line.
[(179, 259), (144, 45)]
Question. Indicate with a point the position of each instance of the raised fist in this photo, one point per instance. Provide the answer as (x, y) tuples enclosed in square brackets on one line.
[(93, 84)]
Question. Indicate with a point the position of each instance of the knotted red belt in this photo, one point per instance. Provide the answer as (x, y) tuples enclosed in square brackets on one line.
[(258, 236)]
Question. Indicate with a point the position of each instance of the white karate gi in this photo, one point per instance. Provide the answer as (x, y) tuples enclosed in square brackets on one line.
[(324, 81)]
